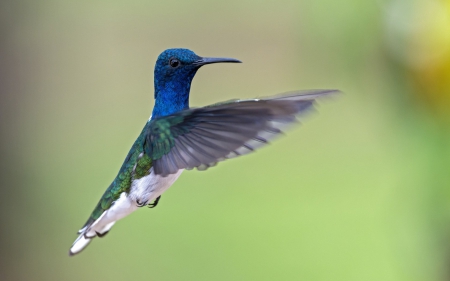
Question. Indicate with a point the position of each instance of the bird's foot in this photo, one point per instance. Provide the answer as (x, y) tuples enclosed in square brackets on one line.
[(141, 204), (153, 205)]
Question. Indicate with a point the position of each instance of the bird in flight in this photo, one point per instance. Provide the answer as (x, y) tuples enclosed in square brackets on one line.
[(177, 137)]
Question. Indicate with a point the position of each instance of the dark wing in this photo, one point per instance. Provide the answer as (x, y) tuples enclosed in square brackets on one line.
[(200, 137)]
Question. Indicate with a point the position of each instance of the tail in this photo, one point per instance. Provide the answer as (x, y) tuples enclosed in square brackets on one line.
[(101, 226), (87, 233)]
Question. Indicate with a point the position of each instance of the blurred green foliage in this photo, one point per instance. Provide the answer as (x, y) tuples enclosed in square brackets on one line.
[(359, 192)]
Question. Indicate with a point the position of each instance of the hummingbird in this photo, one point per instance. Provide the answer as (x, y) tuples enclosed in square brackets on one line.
[(177, 138)]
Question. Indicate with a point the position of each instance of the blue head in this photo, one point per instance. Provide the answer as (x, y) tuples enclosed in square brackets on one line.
[(174, 71)]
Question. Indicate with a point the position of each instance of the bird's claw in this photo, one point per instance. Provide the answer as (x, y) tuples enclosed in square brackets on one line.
[(141, 204), (153, 205)]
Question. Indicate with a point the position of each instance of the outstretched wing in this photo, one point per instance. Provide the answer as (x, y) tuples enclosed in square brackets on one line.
[(200, 137)]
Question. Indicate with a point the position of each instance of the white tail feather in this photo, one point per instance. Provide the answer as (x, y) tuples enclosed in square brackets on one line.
[(79, 245), (119, 209)]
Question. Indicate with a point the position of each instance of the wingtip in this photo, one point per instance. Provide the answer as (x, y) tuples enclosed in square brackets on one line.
[(312, 94), (332, 92), (328, 94), (319, 93)]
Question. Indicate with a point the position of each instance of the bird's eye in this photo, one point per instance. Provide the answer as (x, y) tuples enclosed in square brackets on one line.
[(174, 63)]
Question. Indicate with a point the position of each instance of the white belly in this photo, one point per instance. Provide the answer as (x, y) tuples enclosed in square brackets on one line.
[(148, 188)]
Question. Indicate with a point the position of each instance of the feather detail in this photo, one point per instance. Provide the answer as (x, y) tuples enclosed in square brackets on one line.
[(201, 137)]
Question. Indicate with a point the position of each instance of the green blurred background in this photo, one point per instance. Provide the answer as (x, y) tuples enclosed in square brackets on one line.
[(359, 192)]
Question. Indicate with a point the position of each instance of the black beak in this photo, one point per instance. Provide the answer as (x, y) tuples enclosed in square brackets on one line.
[(203, 61)]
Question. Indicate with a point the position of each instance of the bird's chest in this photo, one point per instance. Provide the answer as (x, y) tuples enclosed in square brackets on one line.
[(149, 187)]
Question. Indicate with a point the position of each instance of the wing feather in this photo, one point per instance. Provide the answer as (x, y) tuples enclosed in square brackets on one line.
[(200, 137)]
